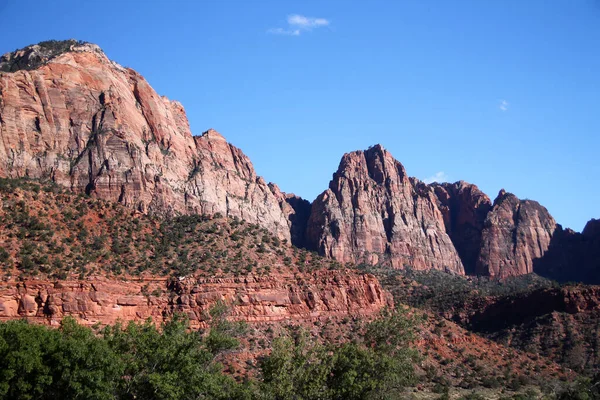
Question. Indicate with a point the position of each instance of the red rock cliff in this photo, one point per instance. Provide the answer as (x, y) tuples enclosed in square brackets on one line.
[(516, 233), (465, 209), (253, 299), (373, 212), (96, 127)]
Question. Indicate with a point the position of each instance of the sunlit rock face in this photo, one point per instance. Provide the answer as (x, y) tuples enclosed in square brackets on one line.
[(515, 234), (71, 115), (374, 213)]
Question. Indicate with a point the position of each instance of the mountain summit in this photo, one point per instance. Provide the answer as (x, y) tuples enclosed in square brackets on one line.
[(69, 114)]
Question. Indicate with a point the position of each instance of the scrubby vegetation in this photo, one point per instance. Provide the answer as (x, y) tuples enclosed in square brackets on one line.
[(45, 52), (439, 291), (47, 231)]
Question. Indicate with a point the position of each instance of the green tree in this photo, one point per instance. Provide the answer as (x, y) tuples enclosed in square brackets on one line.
[(170, 363), (41, 363), (381, 367)]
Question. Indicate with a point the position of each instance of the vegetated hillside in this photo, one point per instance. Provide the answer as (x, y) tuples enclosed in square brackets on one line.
[(529, 313), (449, 295), (562, 324), (65, 254), (47, 231)]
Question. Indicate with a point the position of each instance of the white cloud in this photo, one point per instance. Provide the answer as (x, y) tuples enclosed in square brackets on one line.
[(305, 22), (298, 24), (438, 177), (281, 31), (503, 105)]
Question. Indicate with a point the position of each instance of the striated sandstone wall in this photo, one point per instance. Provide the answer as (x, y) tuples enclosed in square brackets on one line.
[(252, 299), (95, 127)]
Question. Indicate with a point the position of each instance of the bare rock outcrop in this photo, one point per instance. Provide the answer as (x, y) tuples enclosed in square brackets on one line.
[(252, 298), (516, 232), (465, 209), (73, 116), (573, 256), (374, 213)]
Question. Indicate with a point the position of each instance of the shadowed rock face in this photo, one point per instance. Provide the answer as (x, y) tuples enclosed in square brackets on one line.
[(573, 256), (515, 233), (374, 213), (465, 209), (93, 126)]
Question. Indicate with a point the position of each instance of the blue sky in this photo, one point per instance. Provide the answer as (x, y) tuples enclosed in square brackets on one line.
[(503, 94)]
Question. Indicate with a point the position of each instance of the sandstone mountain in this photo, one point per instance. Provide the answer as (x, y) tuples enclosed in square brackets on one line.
[(374, 213), (70, 115)]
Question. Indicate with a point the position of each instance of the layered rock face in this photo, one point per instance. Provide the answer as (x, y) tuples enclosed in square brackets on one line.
[(69, 114), (374, 213), (85, 122), (515, 233), (252, 299)]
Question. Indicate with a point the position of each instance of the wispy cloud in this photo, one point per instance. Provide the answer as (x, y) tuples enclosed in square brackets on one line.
[(296, 24), (503, 106), (438, 177), (281, 31), (306, 23)]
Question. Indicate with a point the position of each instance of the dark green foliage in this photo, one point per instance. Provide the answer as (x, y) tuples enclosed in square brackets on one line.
[(300, 368), (141, 361), (581, 389), (440, 291), (138, 361), (169, 364), (37, 362), (34, 58), (472, 396)]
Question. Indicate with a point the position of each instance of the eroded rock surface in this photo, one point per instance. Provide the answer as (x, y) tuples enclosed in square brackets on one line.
[(374, 213), (516, 232), (93, 126), (465, 209), (252, 298)]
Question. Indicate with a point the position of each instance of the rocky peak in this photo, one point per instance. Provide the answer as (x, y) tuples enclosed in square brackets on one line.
[(36, 55), (70, 115), (592, 228), (373, 213), (374, 164), (516, 232), (212, 134)]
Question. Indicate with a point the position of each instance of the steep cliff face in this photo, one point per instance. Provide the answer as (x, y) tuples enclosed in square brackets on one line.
[(297, 212), (374, 213), (93, 126), (252, 298), (69, 114), (465, 209), (515, 233)]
